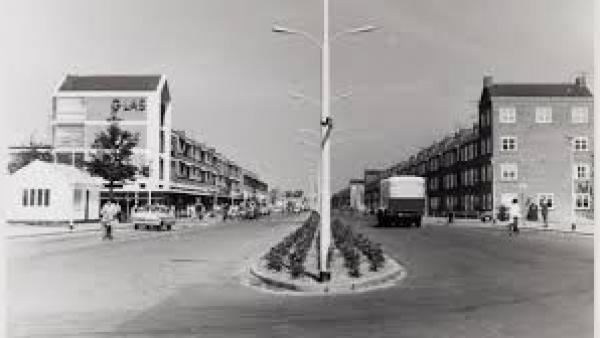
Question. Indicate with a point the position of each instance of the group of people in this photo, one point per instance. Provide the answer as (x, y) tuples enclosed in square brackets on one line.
[(515, 213)]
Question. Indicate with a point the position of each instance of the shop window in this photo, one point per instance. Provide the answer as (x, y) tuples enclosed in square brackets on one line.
[(40, 197), (25, 197)]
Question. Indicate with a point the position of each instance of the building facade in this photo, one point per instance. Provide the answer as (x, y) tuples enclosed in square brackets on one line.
[(532, 142), (174, 167)]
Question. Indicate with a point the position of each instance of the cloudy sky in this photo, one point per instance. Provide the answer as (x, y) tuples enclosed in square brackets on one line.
[(412, 81)]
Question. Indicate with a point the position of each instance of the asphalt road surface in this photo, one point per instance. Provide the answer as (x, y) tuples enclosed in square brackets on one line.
[(462, 282)]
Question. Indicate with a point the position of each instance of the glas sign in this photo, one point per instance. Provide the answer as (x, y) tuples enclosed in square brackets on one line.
[(128, 104)]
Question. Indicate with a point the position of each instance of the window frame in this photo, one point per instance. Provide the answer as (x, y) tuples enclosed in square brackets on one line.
[(504, 168), (507, 114), (586, 171), (543, 118), (546, 195), (582, 140), (508, 138), (579, 110), (587, 198)]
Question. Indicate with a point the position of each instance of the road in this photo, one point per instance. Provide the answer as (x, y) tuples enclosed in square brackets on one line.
[(462, 282)]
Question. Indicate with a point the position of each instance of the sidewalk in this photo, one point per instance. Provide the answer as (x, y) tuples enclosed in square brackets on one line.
[(583, 226), (20, 230)]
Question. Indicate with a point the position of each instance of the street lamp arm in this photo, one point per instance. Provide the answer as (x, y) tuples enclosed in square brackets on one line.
[(285, 30), (356, 30)]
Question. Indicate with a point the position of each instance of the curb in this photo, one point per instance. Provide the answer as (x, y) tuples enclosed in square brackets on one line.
[(502, 228), (397, 273), (65, 232)]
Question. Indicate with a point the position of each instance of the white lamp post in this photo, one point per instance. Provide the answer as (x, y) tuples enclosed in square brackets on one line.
[(326, 125)]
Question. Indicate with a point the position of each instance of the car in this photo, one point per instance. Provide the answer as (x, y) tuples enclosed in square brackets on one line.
[(265, 210), (155, 217), (486, 216)]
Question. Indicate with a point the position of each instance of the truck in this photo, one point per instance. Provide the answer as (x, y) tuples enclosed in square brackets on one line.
[(402, 201)]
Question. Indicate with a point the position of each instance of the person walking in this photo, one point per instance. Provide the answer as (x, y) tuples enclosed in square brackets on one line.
[(109, 212), (544, 206), (515, 214)]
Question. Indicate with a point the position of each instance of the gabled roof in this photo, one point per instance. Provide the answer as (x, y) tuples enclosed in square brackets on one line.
[(539, 89), (46, 171), (110, 83)]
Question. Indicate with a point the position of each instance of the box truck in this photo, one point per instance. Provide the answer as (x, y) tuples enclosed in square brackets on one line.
[(402, 201)]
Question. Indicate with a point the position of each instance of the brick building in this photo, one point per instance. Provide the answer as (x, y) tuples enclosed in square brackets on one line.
[(531, 142)]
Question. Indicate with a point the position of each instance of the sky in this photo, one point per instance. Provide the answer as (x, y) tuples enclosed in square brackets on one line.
[(412, 81)]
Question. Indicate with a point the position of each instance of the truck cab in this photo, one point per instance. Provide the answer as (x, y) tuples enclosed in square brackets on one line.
[(402, 201)]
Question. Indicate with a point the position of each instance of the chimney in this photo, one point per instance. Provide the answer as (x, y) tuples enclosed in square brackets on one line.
[(580, 81), (488, 81)]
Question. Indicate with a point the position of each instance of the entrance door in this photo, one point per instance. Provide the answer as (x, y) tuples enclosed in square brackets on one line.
[(87, 205)]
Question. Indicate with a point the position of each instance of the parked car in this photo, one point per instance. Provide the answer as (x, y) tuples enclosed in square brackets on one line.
[(155, 217), (265, 210)]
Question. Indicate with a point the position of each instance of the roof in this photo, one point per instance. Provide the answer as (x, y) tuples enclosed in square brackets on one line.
[(539, 89), (47, 171), (110, 83)]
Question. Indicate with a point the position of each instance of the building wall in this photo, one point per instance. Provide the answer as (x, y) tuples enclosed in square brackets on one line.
[(543, 152)]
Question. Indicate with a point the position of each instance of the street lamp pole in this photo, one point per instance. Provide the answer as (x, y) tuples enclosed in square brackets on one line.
[(325, 236), (326, 125)]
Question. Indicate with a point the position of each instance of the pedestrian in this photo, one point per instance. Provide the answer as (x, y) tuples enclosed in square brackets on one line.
[(515, 213), (108, 213), (225, 211), (544, 206)]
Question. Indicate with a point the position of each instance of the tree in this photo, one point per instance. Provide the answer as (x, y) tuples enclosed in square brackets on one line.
[(111, 158)]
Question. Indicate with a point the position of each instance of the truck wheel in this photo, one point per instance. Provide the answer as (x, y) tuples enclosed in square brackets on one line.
[(136, 226), (168, 227)]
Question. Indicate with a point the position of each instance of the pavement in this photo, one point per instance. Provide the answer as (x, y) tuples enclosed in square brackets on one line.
[(583, 226), (461, 282), (20, 230)]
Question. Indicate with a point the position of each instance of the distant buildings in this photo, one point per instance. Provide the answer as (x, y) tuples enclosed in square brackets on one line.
[(531, 142)]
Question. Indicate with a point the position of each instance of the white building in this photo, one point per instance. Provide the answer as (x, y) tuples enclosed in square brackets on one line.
[(51, 192)]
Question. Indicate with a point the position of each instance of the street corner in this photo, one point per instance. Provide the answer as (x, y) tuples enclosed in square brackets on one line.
[(262, 279)]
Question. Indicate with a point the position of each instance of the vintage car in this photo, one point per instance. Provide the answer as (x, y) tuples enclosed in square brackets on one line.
[(153, 217)]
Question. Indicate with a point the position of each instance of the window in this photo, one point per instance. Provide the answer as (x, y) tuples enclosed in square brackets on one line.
[(543, 114), (548, 198), (25, 197), (46, 197), (32, 197), (579, 115), (580, 143), (509, 172), (509, 143), (161, 169), (582, 201), (581, 171), (508, 115), (40, 197)]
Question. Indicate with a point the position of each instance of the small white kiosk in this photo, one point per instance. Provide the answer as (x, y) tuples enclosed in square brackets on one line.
[(52, 192)]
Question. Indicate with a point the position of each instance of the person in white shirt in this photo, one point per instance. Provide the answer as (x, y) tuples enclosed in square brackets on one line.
[(515, 214)]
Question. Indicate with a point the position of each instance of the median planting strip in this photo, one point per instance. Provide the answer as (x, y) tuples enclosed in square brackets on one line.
[(356, 263)]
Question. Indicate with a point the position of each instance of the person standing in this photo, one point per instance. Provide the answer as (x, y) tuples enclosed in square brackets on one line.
[(109, 212), (225, 211), (515, 213), (544, 206)]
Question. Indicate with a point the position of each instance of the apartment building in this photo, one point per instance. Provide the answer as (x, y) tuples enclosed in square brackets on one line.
[(532, 142)]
